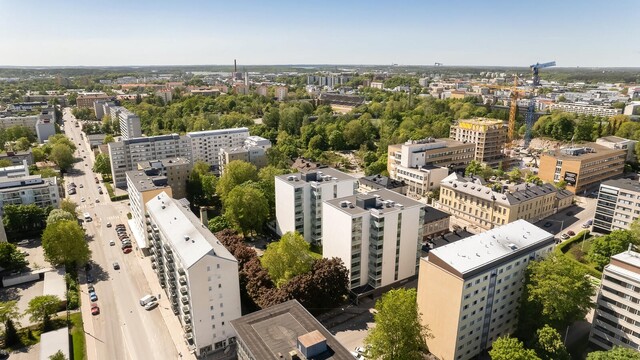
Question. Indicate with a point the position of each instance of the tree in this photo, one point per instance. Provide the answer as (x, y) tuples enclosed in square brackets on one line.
[(603, 247), (508, 348), (474, 168), (515, 175), (267, 176), (557, 293), (218, 223), (325, 286), (549, 345), (398, 333), (5, 163), (23, 218), (102, 164), (58, 215), (64, 244), (246, 208), (62, 156), (59, 139), (108, 139), (9, 311), (237, 172), (69, 206), (10, 257), (533, 179), (22, 144), (287, 258), (41, 308), (38, 154), (561, 185), (11, 336), (58, 356), (616, 353)]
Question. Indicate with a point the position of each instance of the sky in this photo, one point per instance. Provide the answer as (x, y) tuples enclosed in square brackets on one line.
[(586, 33)]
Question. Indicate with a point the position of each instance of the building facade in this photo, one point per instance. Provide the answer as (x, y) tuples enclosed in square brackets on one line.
[(616, 321), (43, 125), (253, 151), (618, 205), (198, 274), (142, 186), (489, 135), (469, 291), (586, 109), (86, 100), (129, 124), (299, 200), (472, 201), (616, 142), (30, 189), (582, 167), (377, 236), (206, 145), (435, 223)]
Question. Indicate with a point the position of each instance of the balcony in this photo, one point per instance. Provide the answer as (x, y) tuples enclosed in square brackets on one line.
[(180, 271), (183, 280), (184, 290), (186, 310), (167, 248), (186, 319), (188, 328), (184, 300)]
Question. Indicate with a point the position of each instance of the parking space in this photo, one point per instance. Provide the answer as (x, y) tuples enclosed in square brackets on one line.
[(35, 254)]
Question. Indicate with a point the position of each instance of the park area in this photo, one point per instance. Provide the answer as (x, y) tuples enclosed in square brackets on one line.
[(577, 248)]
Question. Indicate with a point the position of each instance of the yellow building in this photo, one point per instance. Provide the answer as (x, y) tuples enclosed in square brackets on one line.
[(472, 201), (469, 291), (582, 167), (489, 135)]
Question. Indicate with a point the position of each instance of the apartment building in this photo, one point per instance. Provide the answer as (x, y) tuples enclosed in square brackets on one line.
[(616, 321), (129, 122), (471, 200), (489, 135), (377, 236), (586, 109), (285, 331), (29, 189), (176, 170), (253, 151), (43, 124), (616, 142), (422, 164), (582, 167), (18, 157), (102, 108), (618, 205), (206, 145), (299, 198), (281, 93), (125, 155), (469, 291), (198, 274), (142, 186), (378, 182), (86, 99)]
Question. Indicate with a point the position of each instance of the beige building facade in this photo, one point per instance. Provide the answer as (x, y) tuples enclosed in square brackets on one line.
[(489, 135)]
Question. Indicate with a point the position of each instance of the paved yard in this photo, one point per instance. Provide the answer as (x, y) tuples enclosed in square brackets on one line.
[(36, 255), (23, 293), (30, 353)]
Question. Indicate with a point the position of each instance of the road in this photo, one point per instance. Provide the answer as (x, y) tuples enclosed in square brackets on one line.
[(123, 330), (571, 218)]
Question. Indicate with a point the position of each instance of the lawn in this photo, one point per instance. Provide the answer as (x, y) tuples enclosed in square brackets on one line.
[(576, 249), (77, 336)]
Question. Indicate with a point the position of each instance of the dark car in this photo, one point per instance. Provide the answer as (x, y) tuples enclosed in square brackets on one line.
[(116, 266), (569, 213), (571, 233)]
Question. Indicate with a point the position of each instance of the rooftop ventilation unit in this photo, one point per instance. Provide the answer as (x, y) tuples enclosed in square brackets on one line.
[(186, 238), (291, 178), (512, 246)]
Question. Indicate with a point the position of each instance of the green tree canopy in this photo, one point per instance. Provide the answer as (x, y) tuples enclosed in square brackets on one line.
[(58, 356), (58, 215), (267, 176), (549, 344), (616, 353), (41, 308), (287, 258), (508, 348), (246, 207), (69, 206), (474, 168), (9, 311), (603, 247), (102, 165), (398, 333), (515, 175), (218, 223), (62, 156), (23, 218), (64, 244), (236, 172), (10, 257)]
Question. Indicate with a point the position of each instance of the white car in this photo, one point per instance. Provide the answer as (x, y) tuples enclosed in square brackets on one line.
[(82, 199), (151, 305), (112, 243)]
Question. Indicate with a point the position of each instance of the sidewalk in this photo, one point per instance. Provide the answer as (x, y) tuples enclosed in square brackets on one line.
[(87, 318)]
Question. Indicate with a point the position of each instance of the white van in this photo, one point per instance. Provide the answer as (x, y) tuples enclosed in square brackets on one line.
[(87, 217), (147, 299)]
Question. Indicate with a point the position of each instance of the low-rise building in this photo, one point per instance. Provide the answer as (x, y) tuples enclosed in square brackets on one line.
[(86, 100), (379, 182), (285, 331), (582, 168), (299, 198), (96, 140), (421, 180), (618, 205), (377, 236), (198, 274), (469, 291), (18, 157), (586, 109), (616, 142), (30, 189), (253, 151), (616, 320), (471, 200), (436, 223), (415, 154)]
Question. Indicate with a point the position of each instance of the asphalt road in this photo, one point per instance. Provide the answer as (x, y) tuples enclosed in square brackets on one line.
[(123, 330)]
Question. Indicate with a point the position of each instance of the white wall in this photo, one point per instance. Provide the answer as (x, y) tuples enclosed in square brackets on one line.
[(336, 237), (285, 211)]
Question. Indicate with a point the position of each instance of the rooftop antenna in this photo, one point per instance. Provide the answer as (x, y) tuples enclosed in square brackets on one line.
[(235, 67)]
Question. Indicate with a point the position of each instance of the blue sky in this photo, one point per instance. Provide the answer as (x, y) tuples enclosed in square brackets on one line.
[(184, 32)]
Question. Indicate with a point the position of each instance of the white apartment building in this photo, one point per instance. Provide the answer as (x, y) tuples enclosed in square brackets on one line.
[(299, 200), (199, 275), (129, 122), (207, 144), (377, 236), (43, 125), (616, 321), (125, 155), (421, 180), (616, 142), (586, 109), (469, 290), (253, 151), (30, 189), (618, 205)]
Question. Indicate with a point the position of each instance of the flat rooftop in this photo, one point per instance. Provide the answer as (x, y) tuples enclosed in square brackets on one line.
[(614, 139), (275, 330), (584, 152), (624, 184), (217, 132), (318, 175), (53, 341), (380, 202), (432, 214), (491, 246), (168, 162), (189, 238), (481, 121), (626, 264), (142, 181)]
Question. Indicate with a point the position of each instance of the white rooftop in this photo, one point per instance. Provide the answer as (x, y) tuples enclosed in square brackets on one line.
[(52, 341), (190, 240), (628, 257), (473, 252)]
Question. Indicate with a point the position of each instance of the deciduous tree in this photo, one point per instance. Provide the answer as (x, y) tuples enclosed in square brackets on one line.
[(64, 244), (549, 344), (603, 247), (218, 223), (246, 208), (398, 333), (102, 165), (617, 353), (236, 173), (69, 206), (41, 308), (508, 348), (287, 258), (10, 257), (62, 156), (474, 168), (58, 215)]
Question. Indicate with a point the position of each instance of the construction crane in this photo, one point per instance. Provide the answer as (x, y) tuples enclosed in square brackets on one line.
[(531, 108)]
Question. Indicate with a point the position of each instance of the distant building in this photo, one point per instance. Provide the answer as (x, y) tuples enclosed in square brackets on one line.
[(341, 103), (489, 135), (281, 93), (285, 331), (27, 106), (198, 274), (18, 157), (86, 100), (165, 94), (379, 182), (376, 235), (304, 165), (262, 90), (586, 109), (253, 151), (469, 291), (618, 205), (582, 167), (299, 198), (616, 142), (176, 170), (129, 124), (377, 85), (205, 145), (470, 200), (43, 124)]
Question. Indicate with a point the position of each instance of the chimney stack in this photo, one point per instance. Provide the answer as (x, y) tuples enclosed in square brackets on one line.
[(235, 68)]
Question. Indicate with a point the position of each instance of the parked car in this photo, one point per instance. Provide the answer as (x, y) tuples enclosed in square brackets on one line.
[(95, 310), (97, 200), (91, 288), (571, 233), (93, 297), (151, 305), (112, 243), (82, 200), (108, 224), (81, 186), (127, 250), (23, 242), (116, 266)]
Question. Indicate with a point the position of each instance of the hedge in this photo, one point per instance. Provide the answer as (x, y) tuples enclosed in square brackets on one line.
[(562, 249)]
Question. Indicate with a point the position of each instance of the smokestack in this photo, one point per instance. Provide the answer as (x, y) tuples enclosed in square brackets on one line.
[(235, 68)]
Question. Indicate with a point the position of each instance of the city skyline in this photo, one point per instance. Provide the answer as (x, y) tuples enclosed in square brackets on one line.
[(459, 33)]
